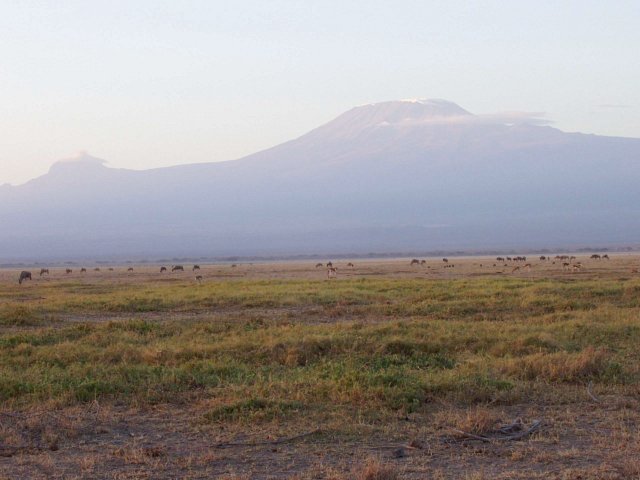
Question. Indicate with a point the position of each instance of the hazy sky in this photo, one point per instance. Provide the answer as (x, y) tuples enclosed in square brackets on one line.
[(150, 83)]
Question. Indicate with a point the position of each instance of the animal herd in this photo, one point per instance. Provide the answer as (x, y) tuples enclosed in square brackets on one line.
[(518, 264)]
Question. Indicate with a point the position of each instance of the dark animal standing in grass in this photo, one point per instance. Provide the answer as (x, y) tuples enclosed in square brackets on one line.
[(69, 271), (319, 265), (595, 256), (196, 267), (199, 278), (445, 260), (234, 265), (415, 261), (177, 267), (43, 271), (543, 258), (24, 276), (111, 269), (96, 269), (83, 270), (350, 265), (130, 269), (605, 257), (329, 265), (163, 269), (423, 262)]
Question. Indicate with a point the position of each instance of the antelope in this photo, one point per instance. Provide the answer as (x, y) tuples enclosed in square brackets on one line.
[(415, 261), (565, 265), (515, 269), (24, 275), (177, 267), (195, 267), (163, 269), (130, 269), (43, 271), (332, 272)]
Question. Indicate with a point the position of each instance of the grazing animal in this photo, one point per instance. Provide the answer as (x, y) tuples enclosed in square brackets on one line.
[(96, 269), (499, 259), (234, 265), (199, 278), (163, 269), (319, 265), (445, 260), (69, 270), (605, 257), (543, 258), (515, 269), (329, 265), (423, 262), (83, 270), (110, 269), (43, 271), (566, 265), (595, 256), (350, 265), (415, 261), (332, 272), (196, 267), (177, 267), (24, 275), (130, 269)]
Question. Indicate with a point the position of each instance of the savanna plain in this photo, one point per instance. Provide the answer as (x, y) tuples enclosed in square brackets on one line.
[(273, 370)]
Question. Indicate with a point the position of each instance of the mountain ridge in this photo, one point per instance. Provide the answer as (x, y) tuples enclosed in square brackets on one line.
[(428, 178)]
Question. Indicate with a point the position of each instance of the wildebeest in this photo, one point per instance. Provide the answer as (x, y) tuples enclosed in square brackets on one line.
[(350, 265), (445, 260), (542, 257), (43, 271), (97, 269), (196, 267), (163, 269), (69, 270), (234, 265), (177, 267), (500, 259), (329, 265), (24, 275), (595, 256), (110, 269), (319, 265), (130, 269), (83, 270), (415, 261), (605, 257), (423, 262)]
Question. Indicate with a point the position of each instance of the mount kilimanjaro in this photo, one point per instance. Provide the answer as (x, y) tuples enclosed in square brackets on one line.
[(411, 175)]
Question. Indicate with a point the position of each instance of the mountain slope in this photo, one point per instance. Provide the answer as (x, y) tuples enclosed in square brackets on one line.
[(417, 174)]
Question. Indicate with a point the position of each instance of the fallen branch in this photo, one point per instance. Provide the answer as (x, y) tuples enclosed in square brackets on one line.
[(272, 442), (499, 438)]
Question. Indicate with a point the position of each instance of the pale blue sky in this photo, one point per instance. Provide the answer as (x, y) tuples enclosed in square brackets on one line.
[(146, 83)]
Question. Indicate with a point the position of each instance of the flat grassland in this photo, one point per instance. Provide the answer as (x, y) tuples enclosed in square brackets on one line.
[(388, 371)]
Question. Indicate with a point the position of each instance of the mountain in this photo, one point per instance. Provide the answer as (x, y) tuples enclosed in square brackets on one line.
[(411, 175)]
